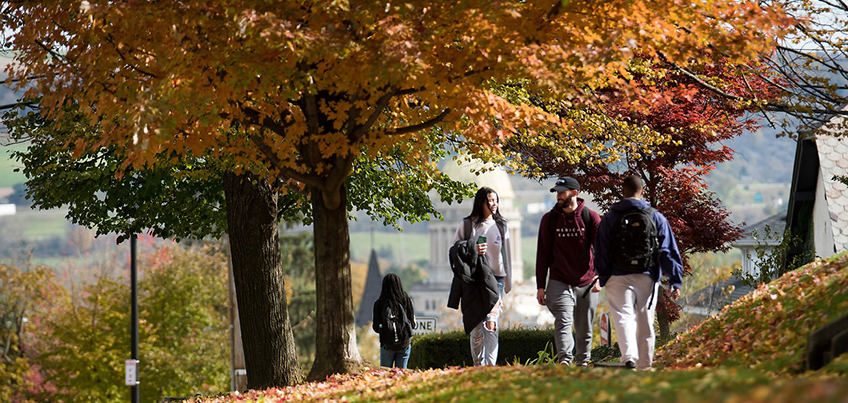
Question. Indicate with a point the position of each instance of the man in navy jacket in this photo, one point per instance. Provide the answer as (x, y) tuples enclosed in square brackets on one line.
[(633, 296)]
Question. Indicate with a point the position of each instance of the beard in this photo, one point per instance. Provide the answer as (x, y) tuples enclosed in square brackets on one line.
[(564, 202)]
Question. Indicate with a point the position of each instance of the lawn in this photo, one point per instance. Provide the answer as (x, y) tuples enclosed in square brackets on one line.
[(37, 224), (752, 351)]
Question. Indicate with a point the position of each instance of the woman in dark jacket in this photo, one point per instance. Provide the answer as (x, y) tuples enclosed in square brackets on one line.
[(393, 319)]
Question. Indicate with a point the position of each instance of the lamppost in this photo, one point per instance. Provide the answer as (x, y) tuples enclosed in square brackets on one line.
[(132, 363)]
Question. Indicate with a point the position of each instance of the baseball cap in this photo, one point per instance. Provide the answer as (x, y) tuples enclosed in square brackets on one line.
[(565, 183)]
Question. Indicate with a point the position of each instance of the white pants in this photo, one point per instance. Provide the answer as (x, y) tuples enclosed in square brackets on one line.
[(484, 342), (633, 301)]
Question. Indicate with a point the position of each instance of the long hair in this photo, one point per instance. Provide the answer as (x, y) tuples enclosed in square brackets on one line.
[(393, 292), (480, 200)]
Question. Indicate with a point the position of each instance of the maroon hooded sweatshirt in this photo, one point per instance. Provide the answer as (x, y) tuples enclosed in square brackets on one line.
[(570, 262)]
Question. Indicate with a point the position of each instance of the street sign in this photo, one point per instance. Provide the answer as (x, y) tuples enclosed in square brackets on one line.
[(424, 325), (131, 372)]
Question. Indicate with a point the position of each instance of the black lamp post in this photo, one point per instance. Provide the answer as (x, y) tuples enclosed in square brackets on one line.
[(134, 326)]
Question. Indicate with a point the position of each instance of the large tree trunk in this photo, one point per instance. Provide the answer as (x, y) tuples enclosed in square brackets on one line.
[(269, 350), (663, 320), (663, 324), (335, 350)]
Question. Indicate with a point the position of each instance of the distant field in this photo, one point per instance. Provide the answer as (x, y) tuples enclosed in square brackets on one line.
[(38, 224), (8, 176), (412, 246)]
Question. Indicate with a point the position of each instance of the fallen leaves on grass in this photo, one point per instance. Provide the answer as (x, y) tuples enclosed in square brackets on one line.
[(552, 382), (767, 329)]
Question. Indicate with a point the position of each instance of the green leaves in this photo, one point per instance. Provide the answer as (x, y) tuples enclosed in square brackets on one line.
[(183, 331)]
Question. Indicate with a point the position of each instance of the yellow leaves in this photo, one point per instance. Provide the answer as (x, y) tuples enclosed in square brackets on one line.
[(335, 112)]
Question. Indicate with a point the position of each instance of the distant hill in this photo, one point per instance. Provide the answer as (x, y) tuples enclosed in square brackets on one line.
[(760, 157)]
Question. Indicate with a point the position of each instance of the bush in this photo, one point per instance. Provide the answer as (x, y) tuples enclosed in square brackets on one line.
[(442, 350)]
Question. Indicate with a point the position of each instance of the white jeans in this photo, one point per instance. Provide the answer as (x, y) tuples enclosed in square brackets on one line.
[(484, 342), (629, 297)]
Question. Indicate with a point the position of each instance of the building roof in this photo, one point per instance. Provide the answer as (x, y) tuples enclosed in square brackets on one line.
[(373, 288), (772, 226), (819, 158), (833, 161)]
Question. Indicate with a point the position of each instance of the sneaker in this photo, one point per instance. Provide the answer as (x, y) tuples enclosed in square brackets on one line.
[(630, 365)]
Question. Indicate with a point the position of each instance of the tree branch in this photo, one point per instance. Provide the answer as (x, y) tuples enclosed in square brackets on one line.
[(133, 67), (771, 106), (17, 104), (420, 126), (357, 132), (268, 152), (255, 119)]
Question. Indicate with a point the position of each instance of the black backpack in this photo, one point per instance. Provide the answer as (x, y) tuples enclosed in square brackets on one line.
[(396, 330), (635, 243)]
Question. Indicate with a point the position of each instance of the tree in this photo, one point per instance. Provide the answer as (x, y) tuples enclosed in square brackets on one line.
[(193, 196), (25, 296), (809, 67), (693, 122), (183, 331), (291, 95)]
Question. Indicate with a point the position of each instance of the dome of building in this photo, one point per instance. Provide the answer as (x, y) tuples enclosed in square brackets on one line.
[(495, 177)]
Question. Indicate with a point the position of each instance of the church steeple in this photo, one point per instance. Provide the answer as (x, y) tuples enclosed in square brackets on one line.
[(373, 285)]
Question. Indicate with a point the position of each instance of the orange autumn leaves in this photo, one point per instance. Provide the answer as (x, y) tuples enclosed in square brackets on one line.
[(318, 83), (767, 330)]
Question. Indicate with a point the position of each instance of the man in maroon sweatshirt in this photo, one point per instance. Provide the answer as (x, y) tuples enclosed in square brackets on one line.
[(564, 251)]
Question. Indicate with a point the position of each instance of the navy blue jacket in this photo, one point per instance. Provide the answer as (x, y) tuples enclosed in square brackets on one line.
[(669, 263)]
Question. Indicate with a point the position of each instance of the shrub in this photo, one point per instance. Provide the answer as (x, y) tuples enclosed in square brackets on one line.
[(442, 350)]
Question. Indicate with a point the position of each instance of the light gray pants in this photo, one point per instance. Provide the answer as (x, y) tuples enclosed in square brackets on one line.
[(571, 312)]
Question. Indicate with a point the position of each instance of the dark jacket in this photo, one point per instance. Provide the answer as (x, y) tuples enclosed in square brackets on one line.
[(568, 255), (379, 320), (473, 284), (670, 263)]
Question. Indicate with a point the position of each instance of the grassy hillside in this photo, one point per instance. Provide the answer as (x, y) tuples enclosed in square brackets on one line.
[(767, 329), (750, 352), (554, 383)]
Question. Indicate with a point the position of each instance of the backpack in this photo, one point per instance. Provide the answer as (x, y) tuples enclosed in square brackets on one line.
[(635, 246), (396, 330), (586, 215)]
